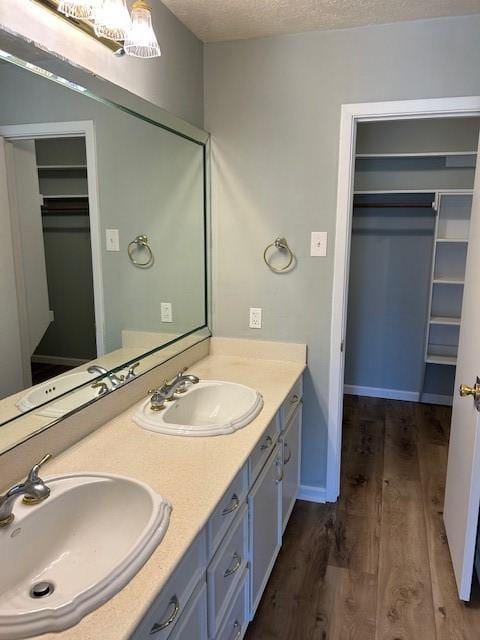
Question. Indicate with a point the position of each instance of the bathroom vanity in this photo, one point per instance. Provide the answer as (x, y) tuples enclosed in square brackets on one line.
[(231, 495)]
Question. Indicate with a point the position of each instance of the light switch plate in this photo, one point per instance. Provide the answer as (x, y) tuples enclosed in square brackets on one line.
[(255, 318), (112, 239), (318, 244), (166, 312)]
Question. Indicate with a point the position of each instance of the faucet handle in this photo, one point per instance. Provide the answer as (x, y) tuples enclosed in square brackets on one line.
[(33, 474), (177, 377), (131, 371)]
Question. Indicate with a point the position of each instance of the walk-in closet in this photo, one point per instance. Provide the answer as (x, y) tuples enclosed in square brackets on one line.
[(411, 213)]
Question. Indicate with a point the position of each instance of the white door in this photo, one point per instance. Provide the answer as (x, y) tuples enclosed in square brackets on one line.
[(28, 245), (462, 492), (12, 376)]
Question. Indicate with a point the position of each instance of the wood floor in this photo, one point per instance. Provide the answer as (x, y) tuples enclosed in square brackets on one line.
[(376, 565)]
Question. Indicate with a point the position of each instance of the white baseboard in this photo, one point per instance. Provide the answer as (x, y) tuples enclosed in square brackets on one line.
[(376, 392), (311, 493), (397, 394), (435, 398), (68, 362)]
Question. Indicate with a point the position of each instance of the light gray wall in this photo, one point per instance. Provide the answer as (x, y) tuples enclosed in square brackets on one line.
[(150, 182), (273, 108)]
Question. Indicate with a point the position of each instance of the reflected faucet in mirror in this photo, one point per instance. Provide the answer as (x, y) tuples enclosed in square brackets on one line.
[(33, 490), (114, 380)]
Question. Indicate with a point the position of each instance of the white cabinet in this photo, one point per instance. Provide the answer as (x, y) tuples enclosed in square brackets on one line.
[(193, 624), (226, 569), (237, 618), (173, 602), (290, 441), (264, 504)]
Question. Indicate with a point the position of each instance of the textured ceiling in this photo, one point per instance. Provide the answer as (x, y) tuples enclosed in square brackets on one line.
[(217, 20)]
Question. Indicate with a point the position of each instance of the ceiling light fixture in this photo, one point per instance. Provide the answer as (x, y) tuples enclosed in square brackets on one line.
[(82, 9), (112, 20), (141, 41)]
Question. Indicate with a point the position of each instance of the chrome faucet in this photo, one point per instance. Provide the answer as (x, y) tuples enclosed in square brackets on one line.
[(33, 490), (166, 393), (115, 380)]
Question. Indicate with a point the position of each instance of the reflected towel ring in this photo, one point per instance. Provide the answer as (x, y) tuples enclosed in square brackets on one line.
[(140, 242), (282, 245)]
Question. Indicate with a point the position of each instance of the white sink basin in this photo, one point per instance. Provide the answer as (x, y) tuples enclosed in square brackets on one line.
[(51, 389), (209, 408), (88, 539)]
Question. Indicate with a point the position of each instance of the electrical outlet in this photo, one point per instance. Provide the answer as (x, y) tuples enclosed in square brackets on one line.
[(255, 318), (166, 312), (112, 239), (318, 244)]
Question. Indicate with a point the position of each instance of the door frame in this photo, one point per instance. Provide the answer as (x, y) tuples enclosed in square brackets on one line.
[(351, 115), (85, 129)]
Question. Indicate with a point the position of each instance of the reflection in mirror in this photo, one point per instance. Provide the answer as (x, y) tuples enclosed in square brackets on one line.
[(102, 247)]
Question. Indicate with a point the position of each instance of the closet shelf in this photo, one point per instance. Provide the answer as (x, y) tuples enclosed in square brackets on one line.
[(449, 360), (428, 154), (60, 167), (445, 320), (445, 280), (63, 196)]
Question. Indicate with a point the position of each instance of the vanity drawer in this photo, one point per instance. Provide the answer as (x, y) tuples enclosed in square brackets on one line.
[(290, 403), (193, 623), (265, 446), (226, 510), (225, 570), (172, 600), (235, 622)]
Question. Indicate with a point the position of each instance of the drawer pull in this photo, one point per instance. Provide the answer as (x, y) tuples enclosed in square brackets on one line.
[(237, 630), (294, 399), (233, 506), (236, 564), (159, 626), (268, 444), (286, 449), (279, 465)]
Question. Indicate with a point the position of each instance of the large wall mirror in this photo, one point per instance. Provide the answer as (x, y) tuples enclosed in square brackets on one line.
[(103, 247)]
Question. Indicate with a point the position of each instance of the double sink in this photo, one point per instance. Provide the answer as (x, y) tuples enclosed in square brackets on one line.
[(68, 555)]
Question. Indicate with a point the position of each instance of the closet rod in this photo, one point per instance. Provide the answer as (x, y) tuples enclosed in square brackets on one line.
[(393, 205)]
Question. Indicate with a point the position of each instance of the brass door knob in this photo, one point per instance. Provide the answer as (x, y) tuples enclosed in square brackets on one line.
[(466, 390)]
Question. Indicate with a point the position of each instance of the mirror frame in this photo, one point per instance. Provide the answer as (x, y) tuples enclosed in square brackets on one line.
[(24, 54)]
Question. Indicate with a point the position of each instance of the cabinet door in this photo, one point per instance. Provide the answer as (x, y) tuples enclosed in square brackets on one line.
[(193, 624), (291, 441), (264, 502)]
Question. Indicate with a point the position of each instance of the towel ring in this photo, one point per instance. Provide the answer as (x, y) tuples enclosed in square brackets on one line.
[(140, 242), (282, 245)]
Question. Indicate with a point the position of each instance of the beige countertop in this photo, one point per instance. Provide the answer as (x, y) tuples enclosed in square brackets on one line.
[(192, 473)]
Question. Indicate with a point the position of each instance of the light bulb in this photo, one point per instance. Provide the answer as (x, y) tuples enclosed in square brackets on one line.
[(141, 40), (112, 20), (83, 9)]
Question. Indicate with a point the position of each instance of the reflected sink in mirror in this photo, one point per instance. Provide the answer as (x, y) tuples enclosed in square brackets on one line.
[(52, 389), (78, 548), (209, 408)]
